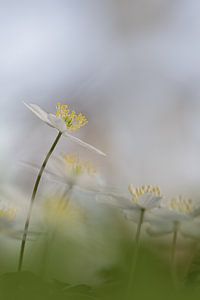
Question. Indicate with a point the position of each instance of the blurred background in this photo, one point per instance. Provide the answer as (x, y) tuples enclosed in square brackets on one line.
[(131, 66)]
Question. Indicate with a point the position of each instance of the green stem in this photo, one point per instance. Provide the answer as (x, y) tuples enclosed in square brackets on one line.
[(174, 243), (173, 254), (24, 238), (137, 244)]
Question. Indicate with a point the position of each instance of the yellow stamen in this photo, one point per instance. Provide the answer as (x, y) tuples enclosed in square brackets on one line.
[(72, 120), (9, 214), (77, 166), (181, 205), (145, 189)]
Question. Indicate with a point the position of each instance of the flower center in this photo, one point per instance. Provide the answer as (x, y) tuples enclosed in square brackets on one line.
[(141, 191), (8, 214), (181, 205), (72, 120), (77, 166)]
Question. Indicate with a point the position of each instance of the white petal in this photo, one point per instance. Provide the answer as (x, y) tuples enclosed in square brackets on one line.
[(171, 215), (148, 201), (58, 123), (39, 112), (80, 142)]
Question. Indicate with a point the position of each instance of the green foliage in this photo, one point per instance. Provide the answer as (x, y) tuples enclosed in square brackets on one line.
[(152, 280)]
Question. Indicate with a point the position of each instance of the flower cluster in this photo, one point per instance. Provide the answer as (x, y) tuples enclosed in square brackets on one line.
[(160, 214), (143, 204)]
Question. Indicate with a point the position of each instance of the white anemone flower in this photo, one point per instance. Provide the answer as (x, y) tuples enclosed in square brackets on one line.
[(65, 121), (144, 198), (180, 211), (174, 216), (13, 208), (73, 172)]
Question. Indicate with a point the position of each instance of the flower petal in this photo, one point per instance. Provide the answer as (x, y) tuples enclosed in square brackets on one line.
[(82, 143), (56, 122), (171, 215), (149, 201), (39, 112)]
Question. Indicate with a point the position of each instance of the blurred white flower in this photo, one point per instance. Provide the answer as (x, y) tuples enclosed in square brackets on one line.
[(64, 121), (13, 211), (144, 198), (7, 216), (72, 171), (59, 213), (177, 212)]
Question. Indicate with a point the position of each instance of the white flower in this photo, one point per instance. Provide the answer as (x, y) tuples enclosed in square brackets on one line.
[(13, 208), (144, 198), (178, 211), (70, 170), (64, 121), (62, 213)]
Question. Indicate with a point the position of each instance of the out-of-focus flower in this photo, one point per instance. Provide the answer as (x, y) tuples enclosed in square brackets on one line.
[(177, 212), (74, 172), (62, 212), (79, 167), (177, 209), (64, 121), (7, 215), (10, 211), (145, 198), (13, 209)]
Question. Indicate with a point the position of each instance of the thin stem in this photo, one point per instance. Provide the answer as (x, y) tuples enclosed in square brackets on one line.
[(137, 244), (22, 248), (173, 254), (174, 243)]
